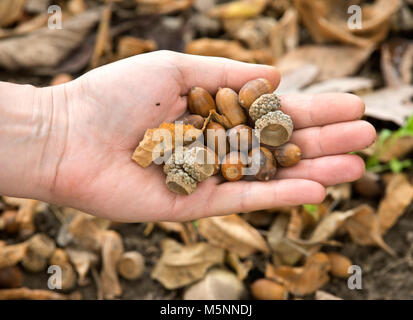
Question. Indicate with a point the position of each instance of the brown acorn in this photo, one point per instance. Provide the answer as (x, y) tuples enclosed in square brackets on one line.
[(228, 105), (240, 138), (288, 154), (232, 166), (254, 89), (339, 264), (193, 119), (265, 162), (264, 289), (11, 277), (200, 101), (216, 139)]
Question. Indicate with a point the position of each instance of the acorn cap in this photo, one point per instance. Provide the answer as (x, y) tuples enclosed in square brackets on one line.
[(264, 104), (274, 128), (179, 181), (197, 164)]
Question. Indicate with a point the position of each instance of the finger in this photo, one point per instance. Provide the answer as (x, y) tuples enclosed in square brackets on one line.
[(328, 171), (211, 73), (334, 138), (321, 109), (245, 196)]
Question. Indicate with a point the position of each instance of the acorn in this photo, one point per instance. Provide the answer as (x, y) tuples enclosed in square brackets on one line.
[(254, 89), (240, 138), (228, 105), (216, 139), (274, 129), (263, 105), (11, 277), (193, 119), (232, 166), (288, 154), (339, 264), (131, 265), (264, 289), (200, 102), (184, 169), (264, 161)]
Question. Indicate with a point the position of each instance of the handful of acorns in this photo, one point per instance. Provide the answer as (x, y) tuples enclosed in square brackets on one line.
[(229, 143)]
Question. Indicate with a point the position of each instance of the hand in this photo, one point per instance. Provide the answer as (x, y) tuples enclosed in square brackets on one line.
[(102, 116)]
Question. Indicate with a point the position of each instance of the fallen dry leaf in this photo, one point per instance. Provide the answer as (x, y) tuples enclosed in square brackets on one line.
[(392, 104), (158, 141), (399, 194), (11, 11), (284, 251), (364, 228), (82, 260), (348, 84), (184, 229), (285, 34), (241, 268), (102, 52), (48, 47), (396, 148), (232, 233), (325, 58), (30, 294), (295, 79), (302, 280), (329, 20), (181, 265), (322, 295)]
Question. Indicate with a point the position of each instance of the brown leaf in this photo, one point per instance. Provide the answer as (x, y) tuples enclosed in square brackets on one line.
[(327, 20), (82, 260), (396, 148), (285, 34), (348, 84), (364, 228), (48, 47), (284, 251), (295, 79), (182, 265), (322, 295), (160, 140), (10, 11), (302, 280), (30, 294), (232, 233), (241, 268), (102, 52), (399, 194), (326, 58), (392, 104), (184, 229)]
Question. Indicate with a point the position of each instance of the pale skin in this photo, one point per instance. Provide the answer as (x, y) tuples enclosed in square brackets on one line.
[(72, 144)]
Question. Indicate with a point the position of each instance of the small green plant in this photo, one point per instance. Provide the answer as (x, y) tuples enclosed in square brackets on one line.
[(312, 209), (385, 140)]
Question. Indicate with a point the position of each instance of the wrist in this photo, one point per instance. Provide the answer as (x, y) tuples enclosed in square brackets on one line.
[(31, 127)]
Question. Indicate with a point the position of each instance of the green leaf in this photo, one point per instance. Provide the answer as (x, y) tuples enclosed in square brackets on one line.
[(195, 223), (312, 209), (397, 166)]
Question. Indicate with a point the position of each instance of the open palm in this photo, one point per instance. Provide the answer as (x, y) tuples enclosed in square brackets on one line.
[(109, 109)]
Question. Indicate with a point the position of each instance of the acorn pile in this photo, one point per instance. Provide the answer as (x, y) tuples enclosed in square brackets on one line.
[(229, 139)]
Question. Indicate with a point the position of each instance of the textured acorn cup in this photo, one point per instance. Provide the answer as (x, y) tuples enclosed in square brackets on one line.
[(263, 158), (274, 128), (180, 182), (228, 105), (288, 154), (232, 166), (263, 105), (216, 139), (240, 138), (200, 101), (199, 163), (254, 89)]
